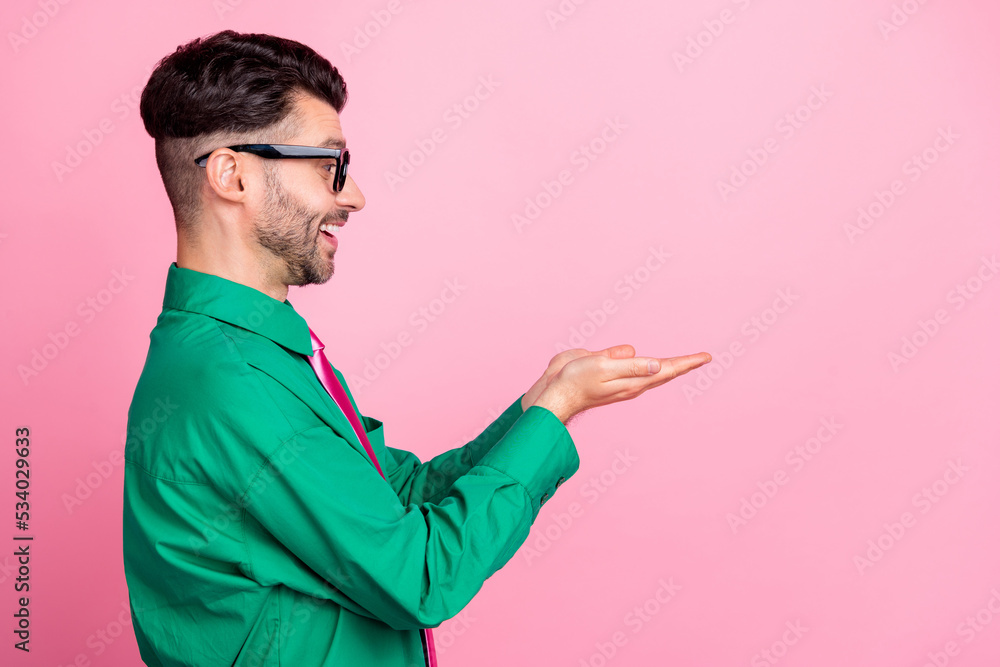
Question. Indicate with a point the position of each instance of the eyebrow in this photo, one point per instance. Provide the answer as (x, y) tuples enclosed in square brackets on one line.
[(333, 143)]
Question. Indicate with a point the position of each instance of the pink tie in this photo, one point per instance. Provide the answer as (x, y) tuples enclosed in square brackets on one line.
[(329, 380)]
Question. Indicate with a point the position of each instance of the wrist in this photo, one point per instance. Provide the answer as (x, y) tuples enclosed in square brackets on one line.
[(554, 405)]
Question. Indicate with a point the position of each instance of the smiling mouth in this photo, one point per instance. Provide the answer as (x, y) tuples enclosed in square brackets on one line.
[(328, 228), (328, 238)]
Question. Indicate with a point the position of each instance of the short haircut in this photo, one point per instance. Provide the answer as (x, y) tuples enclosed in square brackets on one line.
[(226, 89)]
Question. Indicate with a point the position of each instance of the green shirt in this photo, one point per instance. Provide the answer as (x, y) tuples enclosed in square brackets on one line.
[(257, 531)]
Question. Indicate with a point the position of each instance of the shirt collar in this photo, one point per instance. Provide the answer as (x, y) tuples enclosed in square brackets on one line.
[(239, 305)]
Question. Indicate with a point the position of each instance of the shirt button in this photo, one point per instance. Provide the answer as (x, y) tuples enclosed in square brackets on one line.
[(544, 498), (561, 480)]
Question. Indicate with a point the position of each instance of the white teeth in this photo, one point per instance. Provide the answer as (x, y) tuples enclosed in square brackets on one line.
[(328, 227)]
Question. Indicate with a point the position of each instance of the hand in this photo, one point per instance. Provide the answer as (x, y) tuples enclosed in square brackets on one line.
[(610, 376), (560, 360)]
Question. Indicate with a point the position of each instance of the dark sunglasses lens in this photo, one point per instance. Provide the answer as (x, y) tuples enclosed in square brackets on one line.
[(345, 160)]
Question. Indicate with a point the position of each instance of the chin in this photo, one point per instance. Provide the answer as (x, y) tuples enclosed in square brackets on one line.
[(317, 272), (321, 277)]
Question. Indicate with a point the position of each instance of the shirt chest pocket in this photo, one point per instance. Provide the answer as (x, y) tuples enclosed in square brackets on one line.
[(376, 438)]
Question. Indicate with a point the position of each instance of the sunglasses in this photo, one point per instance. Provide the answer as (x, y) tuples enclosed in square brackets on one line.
[(289, 152)]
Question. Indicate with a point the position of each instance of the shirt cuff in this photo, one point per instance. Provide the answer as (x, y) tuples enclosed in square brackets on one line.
[(538, 452), (505, 420)]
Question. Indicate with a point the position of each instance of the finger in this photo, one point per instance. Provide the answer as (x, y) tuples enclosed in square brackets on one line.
[(674, 366), (636, 373), (566, 356), (632, 367), (625, 351)]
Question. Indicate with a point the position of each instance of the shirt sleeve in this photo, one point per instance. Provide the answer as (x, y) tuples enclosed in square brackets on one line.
[(416, 482), (411, 565)]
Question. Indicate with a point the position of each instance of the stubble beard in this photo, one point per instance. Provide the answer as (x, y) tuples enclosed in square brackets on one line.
[(285, 229)]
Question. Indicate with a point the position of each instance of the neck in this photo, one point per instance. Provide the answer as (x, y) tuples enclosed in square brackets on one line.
[(236, 262)]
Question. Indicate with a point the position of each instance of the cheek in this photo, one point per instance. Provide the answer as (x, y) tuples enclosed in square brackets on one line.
[(307, 210), (315, 203), (308, 194)]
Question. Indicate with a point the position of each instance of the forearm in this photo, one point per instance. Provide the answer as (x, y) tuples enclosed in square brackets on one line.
[(416, 482), (410, 566)]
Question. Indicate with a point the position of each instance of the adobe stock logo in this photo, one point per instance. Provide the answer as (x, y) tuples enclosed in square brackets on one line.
[(797, 457), (899, 17), (712, 30), (582, 158), (223, 7), (30, 25), (638, 618), (787, 126), (968, 630), (914, 167), (102, 470), (106, 634), (562, 12), (420, 319), (454, 116), (561, 522), (704, 378), (364, 34), (924, 500), (121, 108), (88, 310), (963, 292), (779, 648), (629, 284)]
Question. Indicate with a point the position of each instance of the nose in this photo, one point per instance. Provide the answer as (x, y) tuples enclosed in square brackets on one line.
[(350, 197)]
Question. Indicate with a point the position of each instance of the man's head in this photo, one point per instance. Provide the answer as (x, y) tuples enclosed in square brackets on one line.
[(242, 209)]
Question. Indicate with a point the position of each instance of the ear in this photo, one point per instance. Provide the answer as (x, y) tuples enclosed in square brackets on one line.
[(227, 175)]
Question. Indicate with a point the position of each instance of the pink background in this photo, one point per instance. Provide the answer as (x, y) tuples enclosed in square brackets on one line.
[(639, 562)]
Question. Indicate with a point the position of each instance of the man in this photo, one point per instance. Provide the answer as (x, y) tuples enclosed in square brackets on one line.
[(266, 521)]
